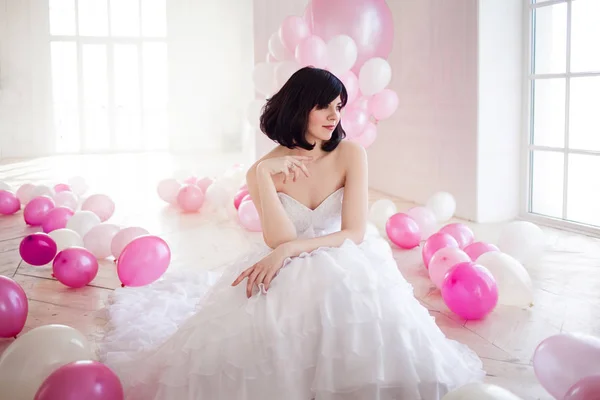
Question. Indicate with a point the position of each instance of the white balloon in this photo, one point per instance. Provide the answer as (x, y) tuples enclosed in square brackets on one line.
[(65, 238), (99, 239), (263, 77), (480, 391), (342, 54), (254, 111), (82, 222), (374, 76), (123, 238), (78, 185), (42, 190), (381, 211), (277, 48), (217, 195), (513, 280), (66, 199), (443, 206), (523, 241), (284, 70), (5, 186), (167, 190), (426, 220), (25, 193)]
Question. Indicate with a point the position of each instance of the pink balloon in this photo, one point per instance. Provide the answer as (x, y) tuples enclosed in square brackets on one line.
[(57, 218), (13, 307), (362, 103), (37, 249), (192, 180), (204, 183), (461, 232), (383, 104), (587, 388), (403, 231), (561, 361), (36, 210), (143, 261), (249, 217), (368, 136), (470, 291), (476, 249), (350, 81), (239, 196), (442, 261), (99, 204), (312, 51), (62, 187), (75, 267), (426, 220), (124, 237), (190, 198), (292, 31), (369, 23), (435, 242), (9, 203), (90, 380), (246, 198), (354, 122)]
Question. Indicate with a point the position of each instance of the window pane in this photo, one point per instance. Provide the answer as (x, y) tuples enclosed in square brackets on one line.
[(154, 18), (62, 17), (584, 189), (65, 96), (550, 40), (156, 96), (93, 18), (585, 36), (125, 17), (547, 179), (127, 97), (95, 95), (549, 112), (156, 134), (584, 118)]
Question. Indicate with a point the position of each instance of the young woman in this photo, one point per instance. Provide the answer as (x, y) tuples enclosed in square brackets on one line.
[(319, 310)]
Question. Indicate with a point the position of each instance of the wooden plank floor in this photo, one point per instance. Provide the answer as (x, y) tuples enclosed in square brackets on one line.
[(566, 279)]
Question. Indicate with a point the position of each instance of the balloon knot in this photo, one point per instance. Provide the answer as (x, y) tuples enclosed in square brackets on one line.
[(122, 285)]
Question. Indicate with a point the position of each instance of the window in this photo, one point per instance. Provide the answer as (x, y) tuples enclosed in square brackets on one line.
[(109, 75), (563, 109)]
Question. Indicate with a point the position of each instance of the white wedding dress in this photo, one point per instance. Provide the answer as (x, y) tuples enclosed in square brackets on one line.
[(336, 324)]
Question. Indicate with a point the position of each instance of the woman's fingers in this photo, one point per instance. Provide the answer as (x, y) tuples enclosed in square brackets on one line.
[(268, 278), (242, 276), (251, 281)]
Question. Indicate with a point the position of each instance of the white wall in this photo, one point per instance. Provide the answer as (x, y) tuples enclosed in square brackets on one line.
[(458, 121)]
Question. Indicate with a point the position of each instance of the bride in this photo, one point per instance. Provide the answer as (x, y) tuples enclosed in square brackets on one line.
[(319, 310)]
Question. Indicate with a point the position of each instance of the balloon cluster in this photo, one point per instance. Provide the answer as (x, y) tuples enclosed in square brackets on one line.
[(350, 38), (473, 276)]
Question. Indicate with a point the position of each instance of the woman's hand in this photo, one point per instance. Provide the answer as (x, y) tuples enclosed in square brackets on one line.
[(286, 165), (263, 271)]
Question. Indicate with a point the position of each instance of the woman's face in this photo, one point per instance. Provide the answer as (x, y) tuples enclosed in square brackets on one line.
[(323, 121)]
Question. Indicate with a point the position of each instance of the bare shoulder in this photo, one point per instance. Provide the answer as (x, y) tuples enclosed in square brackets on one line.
[(276, 152), (351, 153)]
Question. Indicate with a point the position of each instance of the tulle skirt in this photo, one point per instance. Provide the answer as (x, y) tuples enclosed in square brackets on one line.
[(336, 323)]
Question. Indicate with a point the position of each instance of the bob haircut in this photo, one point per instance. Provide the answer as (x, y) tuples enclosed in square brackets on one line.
[(285, 115)]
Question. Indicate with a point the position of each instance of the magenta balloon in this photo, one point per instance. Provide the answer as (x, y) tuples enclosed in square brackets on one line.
[(143, 260), (89, 380), (368, 22), (239, 196), (403, 231), (75, 267), (9, 203), (470, 291), (587, 388), (461, 232), (37, 249), (36, 210), (435, 242), (13, 307), (57, 218)]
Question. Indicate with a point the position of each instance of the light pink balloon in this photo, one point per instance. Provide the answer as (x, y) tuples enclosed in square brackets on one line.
[(62, 187), (246, 198), (190, 198), (75, 267), (426, 220), (99, 238), (14, 307), (587, 388), (99, 204), (362, 103), (383, 104), (312, 51), (562, 360), (249, 217), (167, 190), (350, 81), (369, 23), (354, 122), (403, 231), (239, 196), (461, 232), (36, 210), (124, 237), (292, 31), (57, 218), (143, 261), (368, 136), (470, 291), (442, 261), (434, 243), (204, 183), (66, 199), (192, 180), (9, 203), (476, 249)]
